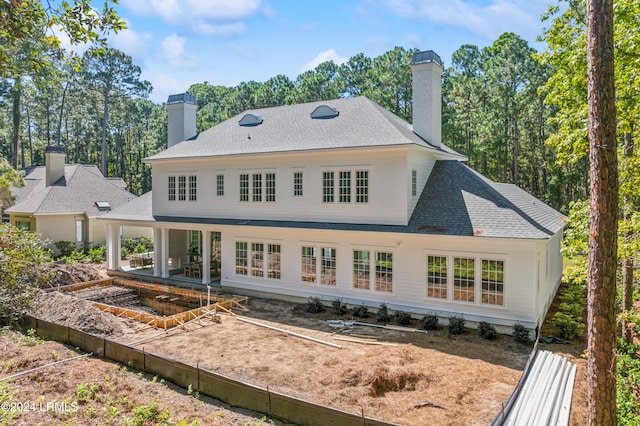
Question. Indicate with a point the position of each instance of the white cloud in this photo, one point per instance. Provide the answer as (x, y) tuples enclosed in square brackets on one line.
[(173, 51), (133, 43), (487, 21), (164, 85), (327, 55), (208, 17)]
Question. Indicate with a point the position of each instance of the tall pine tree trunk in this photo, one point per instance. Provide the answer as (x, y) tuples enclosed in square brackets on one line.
[(627, 264), (603, 226), (16, 93), (105, 116)]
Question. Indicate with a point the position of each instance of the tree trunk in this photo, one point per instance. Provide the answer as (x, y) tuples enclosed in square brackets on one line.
[(627, 264), (105, 115), (603, 226), (64, 96), (16, 92), (30, 138)]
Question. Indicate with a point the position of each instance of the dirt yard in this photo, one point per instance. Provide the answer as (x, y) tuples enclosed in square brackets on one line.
[(468, 376), (92, 391)]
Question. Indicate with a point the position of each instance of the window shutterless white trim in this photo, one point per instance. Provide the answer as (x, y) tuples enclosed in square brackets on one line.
[(220, 185), (274, 269), (79, 230), (298, 184), (345, 186), (253, 262), (171, 188), (257, 259), (309, 264), (182, 188), (257, 187), (270, 187), (362, 186), (328, 186), (372, 270), (242, 259), (470, 278), (318, 264), (244, 187), (414, 183), (193, 188)]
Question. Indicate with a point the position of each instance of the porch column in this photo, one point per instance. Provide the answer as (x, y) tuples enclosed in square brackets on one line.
[(164, 244), (206, 257), (113, 245), (158, 254)]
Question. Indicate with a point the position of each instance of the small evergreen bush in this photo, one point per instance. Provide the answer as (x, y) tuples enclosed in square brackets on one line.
[(314, 305), (520, 334), (65, 248), (98, 254), (383, 313), (338, 307), (403, 318), (360, 311), (456, 325), (487, 331), (429, 322), (568, 326)]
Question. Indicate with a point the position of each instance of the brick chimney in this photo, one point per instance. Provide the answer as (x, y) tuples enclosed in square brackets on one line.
[(426, 68), (182, 118), (54, 164)]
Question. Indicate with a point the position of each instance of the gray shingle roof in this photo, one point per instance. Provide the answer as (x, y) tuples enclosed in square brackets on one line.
[(76, 192), (456, 201), (361, 123)]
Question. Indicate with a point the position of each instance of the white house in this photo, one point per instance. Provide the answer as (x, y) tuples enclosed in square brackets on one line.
[(344, 200)]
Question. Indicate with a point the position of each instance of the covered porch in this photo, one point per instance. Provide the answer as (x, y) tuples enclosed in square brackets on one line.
[(179, 254)]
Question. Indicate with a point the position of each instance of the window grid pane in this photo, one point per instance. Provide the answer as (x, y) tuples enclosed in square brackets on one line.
[(257, 259), (257, 187), (182, 188), (273, 265), (241, 258), (384, 272), (244, 187), (362, 186), (345, 187), (493, 282), (437, 277), (193, 188), (414, 183), (297, 184), (361, 269), (328, 269), (270, 182), (327, 187), (464, 279), (172, 188), (309, 262), (220, 185)]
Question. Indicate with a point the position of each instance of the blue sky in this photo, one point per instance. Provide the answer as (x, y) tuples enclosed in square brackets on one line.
[(181, 42)]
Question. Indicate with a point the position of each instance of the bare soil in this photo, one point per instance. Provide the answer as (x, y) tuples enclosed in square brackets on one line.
[(470, 377), (92, 391)]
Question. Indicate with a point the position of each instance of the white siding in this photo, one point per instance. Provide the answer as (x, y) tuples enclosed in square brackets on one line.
[(549, 274), (387, 190), (409, 270), (423, 164)]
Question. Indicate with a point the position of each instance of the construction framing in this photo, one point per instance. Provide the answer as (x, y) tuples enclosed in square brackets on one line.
[(211, 302)]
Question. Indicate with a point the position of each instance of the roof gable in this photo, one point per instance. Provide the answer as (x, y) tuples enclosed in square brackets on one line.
[(358, 123), (76, 192)]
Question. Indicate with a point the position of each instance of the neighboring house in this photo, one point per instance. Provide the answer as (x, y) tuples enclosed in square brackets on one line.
[(343, 200), (62, 202)]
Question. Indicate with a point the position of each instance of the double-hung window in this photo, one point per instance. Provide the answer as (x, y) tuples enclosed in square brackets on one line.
[(270, 187), (327, 187), (345, 187), (297, 184), (244, 187), (172, 188), (220, 185)]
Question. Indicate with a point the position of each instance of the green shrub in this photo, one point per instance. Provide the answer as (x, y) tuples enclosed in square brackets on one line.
[(487, 331), (429, 322), (140, 248), (568, 326), (338, 307), (131, 244), (456, 324), (383, 313), (314, 305), (360, 311), (65, 248), (628, 383), (98, 254), (520, 333), (403, 318)]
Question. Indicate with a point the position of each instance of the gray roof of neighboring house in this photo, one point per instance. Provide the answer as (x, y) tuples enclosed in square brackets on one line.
[(360, 123), (456, 201), (78, 191)]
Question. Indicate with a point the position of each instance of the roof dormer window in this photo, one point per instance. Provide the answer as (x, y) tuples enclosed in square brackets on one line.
[(324, 112), (250, 120)]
